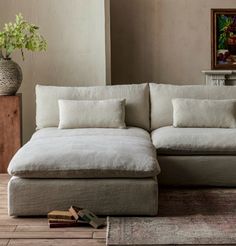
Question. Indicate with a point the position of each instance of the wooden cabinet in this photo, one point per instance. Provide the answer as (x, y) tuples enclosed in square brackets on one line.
[(10, 129)]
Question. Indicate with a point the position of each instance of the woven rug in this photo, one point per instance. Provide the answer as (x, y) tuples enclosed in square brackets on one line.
[(186, 217)]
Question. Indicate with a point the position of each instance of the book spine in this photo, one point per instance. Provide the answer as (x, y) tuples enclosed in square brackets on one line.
[(63, 217), (61, 221)]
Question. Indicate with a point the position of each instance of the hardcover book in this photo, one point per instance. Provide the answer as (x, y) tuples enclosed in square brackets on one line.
[(57, 214), (88, 216)]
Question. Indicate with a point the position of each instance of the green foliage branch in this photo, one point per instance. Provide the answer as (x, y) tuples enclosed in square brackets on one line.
[(224, 23), (20, 35)]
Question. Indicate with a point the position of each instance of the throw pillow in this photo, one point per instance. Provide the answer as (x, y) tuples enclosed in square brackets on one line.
[(204, 113), (92, 113)]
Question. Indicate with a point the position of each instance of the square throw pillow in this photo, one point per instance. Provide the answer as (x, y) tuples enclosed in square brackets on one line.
[(91, 114), (204, 113)]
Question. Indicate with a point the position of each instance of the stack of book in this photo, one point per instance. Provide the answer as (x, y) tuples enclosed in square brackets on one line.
[(74, 217)]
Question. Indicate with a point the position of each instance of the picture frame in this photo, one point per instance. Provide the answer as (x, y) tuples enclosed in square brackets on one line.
[(223, 39)]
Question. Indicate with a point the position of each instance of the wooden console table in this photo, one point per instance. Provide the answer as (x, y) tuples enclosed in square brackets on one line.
[(10, 128)]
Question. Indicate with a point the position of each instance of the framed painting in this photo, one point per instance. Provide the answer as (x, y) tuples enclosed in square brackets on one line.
[(223, 39)]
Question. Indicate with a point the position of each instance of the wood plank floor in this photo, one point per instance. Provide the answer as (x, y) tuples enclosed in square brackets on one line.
[(35, 231)]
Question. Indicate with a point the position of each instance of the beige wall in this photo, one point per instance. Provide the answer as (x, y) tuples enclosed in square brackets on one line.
[(134, 40), (75, 30), (167, 41)]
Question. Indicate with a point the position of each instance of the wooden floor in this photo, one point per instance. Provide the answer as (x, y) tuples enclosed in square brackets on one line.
[(35, 231)]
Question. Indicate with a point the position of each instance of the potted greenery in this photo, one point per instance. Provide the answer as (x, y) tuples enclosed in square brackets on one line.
[(19, 35)]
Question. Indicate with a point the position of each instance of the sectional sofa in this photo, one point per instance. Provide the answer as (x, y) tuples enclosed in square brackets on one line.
[(115, 171)]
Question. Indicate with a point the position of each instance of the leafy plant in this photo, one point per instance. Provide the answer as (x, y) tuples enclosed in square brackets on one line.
[(224, 26), (20, 35)]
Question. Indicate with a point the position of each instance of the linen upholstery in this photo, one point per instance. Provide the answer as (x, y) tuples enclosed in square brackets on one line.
[(194, 141), (29, 197), (85, 114), (137, 102), (161, 96), (205, 170), (204, 113), (86, 153)]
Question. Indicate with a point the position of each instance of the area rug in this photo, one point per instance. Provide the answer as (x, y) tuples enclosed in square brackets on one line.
[(186, 217)]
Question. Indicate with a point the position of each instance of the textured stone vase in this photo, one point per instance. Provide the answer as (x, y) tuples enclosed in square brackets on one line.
[(10, 77)]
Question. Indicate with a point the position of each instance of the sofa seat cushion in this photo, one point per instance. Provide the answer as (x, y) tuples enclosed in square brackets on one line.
[(86, 153), (199, 141)]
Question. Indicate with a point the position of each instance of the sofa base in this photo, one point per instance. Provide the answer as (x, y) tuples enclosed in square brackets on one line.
[(218, 170), (31, 197)]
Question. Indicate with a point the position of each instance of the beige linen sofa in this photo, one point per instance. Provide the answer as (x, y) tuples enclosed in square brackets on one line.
[(114, 171), (192, 156)]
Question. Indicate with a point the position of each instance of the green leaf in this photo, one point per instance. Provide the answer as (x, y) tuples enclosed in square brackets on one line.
[(20, 35)]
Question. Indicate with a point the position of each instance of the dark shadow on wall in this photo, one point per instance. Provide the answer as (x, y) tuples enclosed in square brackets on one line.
[(134, 46)]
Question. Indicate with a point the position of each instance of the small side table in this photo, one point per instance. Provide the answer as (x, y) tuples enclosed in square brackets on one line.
[(10, 128)]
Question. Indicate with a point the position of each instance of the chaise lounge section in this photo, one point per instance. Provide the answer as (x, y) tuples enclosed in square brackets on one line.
[(107, 170)]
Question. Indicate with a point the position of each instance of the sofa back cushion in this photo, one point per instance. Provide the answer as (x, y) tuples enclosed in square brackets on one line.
[(136, 110), (161, 96)]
